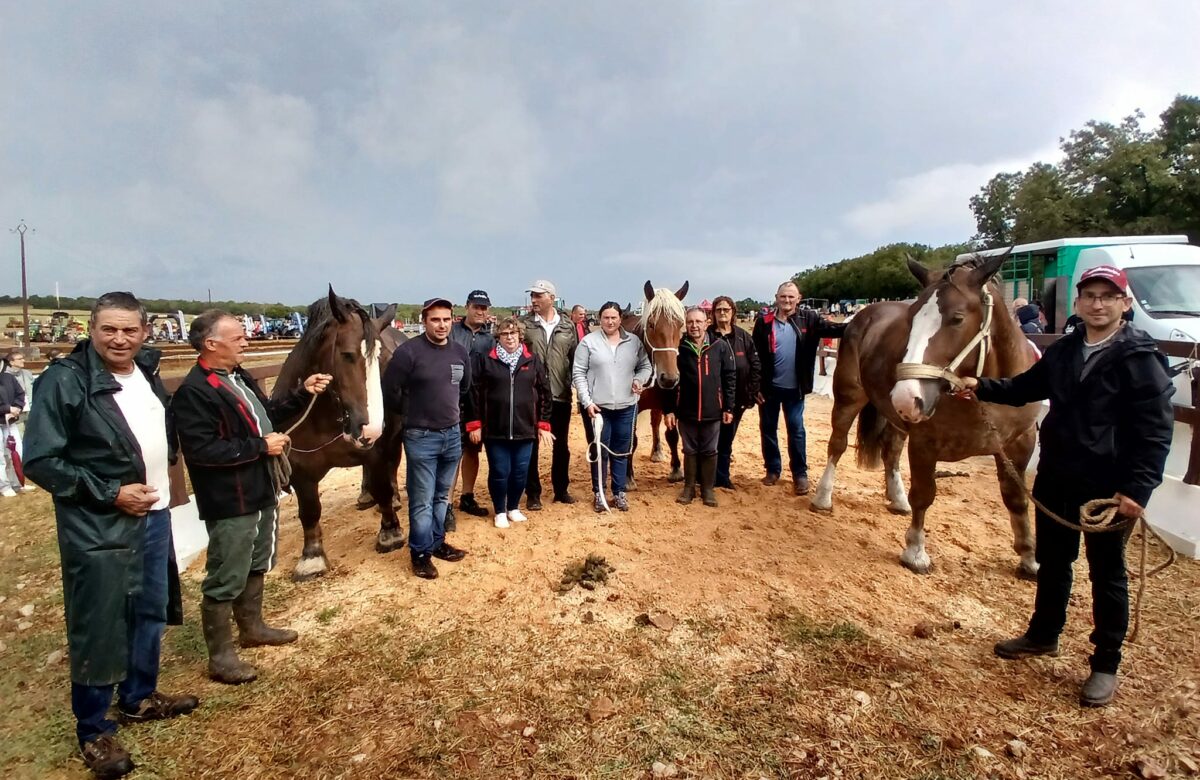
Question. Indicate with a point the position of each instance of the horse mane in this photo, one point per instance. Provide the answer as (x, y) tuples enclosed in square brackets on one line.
[(306, 355), (664, 304)]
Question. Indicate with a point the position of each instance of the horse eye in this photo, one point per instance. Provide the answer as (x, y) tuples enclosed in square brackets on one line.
[(957, 318), (348, 356)]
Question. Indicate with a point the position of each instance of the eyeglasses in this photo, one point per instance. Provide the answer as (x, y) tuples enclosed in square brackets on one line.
[(1108, 299), (507, 333), (722, 309)]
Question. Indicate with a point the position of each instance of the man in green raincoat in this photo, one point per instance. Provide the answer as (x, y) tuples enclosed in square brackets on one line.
[(97, 439)]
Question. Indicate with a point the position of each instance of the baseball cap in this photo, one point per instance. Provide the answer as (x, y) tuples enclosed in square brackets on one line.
[(429, 304), (543, 286), (479, 297), (1108, 273)]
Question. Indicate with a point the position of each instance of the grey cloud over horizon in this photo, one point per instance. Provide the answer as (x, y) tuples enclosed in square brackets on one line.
[(402, 151)]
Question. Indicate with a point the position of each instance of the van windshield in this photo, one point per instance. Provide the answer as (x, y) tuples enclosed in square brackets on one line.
[(1166, 291)]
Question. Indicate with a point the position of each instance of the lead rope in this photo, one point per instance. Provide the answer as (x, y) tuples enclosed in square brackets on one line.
[(1096, 516), (599, 448)]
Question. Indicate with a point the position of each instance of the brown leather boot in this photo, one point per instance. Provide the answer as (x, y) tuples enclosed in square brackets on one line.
[(159, 706), (223, 662), (106, 758), (247, 611)]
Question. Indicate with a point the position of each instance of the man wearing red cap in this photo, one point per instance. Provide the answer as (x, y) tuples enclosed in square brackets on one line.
[(1108, 429)]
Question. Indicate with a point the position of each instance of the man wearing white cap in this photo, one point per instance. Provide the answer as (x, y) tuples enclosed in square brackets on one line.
[(1107, 434), (551, 337)]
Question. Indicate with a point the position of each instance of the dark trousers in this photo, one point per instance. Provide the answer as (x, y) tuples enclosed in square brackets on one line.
[(1057, 549), (725, 447), (508, 469), (148, 611), (560, 459), (699, 438), (791, 401)]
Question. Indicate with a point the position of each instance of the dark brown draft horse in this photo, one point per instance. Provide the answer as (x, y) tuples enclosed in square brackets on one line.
[(958, 321), (660, 327), (347, 424)]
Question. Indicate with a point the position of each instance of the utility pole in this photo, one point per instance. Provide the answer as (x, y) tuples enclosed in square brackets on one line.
[(20, 230)]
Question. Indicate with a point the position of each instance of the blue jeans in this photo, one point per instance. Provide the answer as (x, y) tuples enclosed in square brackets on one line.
[(792, 402), (148, 613), (508, 470), (617, 436), (432, 458)]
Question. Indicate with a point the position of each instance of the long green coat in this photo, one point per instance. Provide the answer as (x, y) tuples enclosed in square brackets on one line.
[(80, 449)]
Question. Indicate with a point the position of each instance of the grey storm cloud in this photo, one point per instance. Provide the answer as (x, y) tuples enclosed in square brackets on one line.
[(406, 150)]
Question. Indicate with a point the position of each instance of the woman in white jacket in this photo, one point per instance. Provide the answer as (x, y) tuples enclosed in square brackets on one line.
[(611, 367)]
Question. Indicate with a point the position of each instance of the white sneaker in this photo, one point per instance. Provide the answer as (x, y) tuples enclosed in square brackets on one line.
[(517, 516), (502, 520), (8, 493), (27, 488)]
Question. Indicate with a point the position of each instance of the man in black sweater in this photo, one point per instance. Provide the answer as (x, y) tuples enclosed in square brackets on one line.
[(1108, 429), (428, 380)]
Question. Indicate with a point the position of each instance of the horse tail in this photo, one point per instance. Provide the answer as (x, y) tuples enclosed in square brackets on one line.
[(872, 431)]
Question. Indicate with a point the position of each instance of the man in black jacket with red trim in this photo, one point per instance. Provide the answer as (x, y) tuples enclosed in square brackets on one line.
[(786, 339), (226, 434), (1108, 429)]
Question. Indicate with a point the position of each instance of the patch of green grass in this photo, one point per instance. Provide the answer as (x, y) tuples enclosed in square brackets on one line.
[(797, 629), (326, 615)]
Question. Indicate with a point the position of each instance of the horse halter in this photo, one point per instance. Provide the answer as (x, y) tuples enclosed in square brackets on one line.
[(982, 339)]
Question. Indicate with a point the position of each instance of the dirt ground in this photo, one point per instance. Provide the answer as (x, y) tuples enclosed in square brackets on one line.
[(753, 640)]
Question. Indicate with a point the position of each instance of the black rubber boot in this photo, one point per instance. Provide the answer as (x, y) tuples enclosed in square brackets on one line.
[(247, 611), (708, 478), (689, 480), (223, 663), (1022, 647)]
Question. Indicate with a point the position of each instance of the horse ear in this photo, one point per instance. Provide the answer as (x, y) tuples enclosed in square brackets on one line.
[(988, 268), (335, 306), (385, 320), (918, 270), (681, 293), (649, 290)]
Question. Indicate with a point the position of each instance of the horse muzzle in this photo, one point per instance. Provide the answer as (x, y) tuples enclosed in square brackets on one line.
[(915, 400), (667, 382)]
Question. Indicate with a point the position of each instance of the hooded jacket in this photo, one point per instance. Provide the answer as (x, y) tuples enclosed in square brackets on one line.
[(79, 447), (511, 405), (1107, 431), (707, 381), (810, 328), (1027, 316)]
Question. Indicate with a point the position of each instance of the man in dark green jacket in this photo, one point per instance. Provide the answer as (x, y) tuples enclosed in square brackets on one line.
[(97, 439)]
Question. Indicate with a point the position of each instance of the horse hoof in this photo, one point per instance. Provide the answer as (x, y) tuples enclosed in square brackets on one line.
[(386, 543), (899, 510), (823, 510), (919, 567), (630, 484), (364, 502), (1029, 572), (676, 475), (310, 568), (658, 457)]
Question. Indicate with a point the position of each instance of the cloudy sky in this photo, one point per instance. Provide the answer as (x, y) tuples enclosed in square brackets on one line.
[(403, 150)]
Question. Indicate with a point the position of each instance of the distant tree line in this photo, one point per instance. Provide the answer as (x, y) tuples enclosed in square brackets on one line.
[(1113, 180), (881, 274)]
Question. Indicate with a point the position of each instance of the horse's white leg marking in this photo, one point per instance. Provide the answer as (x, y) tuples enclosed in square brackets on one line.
[(914, 555), (897, 497), (924, 326), (823, 498), (374, 427), (310, 567)]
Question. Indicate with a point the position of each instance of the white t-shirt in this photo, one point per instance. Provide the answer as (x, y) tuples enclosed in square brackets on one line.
[(147, 418), (548, 325)]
